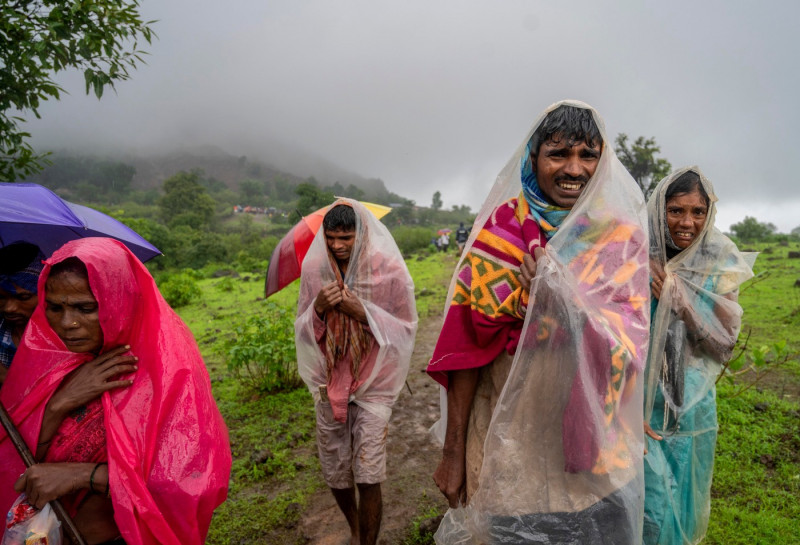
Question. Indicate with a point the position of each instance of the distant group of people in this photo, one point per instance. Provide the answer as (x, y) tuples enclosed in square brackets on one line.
[(442, 240), (584, 330)]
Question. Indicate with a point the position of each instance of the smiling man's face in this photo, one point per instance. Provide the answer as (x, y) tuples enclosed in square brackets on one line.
[(564, 168)]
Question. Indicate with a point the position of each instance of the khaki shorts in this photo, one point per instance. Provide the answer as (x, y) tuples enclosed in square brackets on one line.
[(354, 451)]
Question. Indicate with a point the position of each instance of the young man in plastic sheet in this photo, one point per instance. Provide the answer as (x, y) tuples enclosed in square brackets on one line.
[(542, 348), (355, 333)]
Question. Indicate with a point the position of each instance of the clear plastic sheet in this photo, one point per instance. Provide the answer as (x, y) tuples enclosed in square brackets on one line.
[(694, 329), (168, 452), (378, 276), (563, 454)]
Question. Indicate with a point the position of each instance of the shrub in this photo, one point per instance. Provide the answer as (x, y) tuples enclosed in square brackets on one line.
[(412, 239), (226, 284), (262, 354), (179, 289)]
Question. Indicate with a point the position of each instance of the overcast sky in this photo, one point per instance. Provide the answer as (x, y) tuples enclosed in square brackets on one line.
[(436, 95)]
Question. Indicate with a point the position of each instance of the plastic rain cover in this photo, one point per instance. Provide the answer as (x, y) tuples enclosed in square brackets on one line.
[(578, 367), (168, 453), (694, 328), (378, 276)]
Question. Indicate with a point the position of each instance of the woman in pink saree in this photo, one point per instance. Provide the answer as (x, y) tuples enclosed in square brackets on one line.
[(110, 392)]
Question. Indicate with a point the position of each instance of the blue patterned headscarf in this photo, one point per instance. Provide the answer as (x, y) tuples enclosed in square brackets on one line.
[(548, 216), (26, 277)]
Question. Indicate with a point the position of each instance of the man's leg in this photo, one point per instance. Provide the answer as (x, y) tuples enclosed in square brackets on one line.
[(370, 511), (346, 500), (335, 455)]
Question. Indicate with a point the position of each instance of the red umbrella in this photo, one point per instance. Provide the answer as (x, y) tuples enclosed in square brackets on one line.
[(288, 256)]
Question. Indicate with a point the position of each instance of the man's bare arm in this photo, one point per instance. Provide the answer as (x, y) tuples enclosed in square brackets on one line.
[(450, 476)]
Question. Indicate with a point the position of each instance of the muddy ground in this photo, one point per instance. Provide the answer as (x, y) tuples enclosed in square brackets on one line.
[(409, 493)]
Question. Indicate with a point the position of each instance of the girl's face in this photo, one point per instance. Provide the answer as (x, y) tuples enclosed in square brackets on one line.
[(686, 217)]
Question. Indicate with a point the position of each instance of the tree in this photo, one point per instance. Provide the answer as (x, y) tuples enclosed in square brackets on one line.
[(185, 201), (252, 192), (354, 192), (43, 37), (641, 162), (437, 201), (311, 198), (752, 230)]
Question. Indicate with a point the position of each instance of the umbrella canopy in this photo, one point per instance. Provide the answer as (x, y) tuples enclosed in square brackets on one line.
[(32, 213), (441, 232), (287, 258)]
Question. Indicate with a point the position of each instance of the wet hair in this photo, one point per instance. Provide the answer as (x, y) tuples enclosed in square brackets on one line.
[(17, 256), (69, 265), (686, 183), (340, 218), (570, 122)]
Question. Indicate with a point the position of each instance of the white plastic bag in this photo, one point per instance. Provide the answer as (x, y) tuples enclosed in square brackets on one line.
[(26, 525)]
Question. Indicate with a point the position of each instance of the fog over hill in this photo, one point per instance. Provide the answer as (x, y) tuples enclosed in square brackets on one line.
[(278, 161)]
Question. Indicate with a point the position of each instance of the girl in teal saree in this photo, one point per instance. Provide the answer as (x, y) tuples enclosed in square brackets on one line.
[(696, 272)]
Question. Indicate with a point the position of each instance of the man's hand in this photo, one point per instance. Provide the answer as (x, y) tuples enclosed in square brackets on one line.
[(352, 306), (327, 298), (451, 478), (528, 267)]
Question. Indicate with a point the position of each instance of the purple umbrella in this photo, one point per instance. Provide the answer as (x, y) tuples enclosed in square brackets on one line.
[(32, 213)]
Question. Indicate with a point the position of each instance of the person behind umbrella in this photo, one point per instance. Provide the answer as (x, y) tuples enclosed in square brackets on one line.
[(543, 345), (356, 321), (696, 272), (20, 265), (109, 390), (444, 241)]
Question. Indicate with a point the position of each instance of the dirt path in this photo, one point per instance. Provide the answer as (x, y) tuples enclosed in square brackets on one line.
[(409, 491)]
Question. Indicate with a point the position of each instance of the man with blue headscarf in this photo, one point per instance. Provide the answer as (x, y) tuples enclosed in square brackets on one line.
[(20, 265), (542, 348)]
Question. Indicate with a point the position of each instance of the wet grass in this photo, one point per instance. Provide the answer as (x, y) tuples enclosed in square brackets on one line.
[(756, 470)]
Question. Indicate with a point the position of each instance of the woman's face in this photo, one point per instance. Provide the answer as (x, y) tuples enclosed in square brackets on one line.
[(686, 216), (72, 312)]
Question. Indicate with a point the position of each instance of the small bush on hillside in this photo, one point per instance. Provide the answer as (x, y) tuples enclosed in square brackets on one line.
[(262, 354), (412, 239), (179, 289), (226, 284)]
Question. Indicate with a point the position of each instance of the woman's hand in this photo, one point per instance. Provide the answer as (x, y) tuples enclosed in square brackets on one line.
[(91, 379), (528, 267), (43, 483), (81, 386), (648, 431), (657, 283)]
